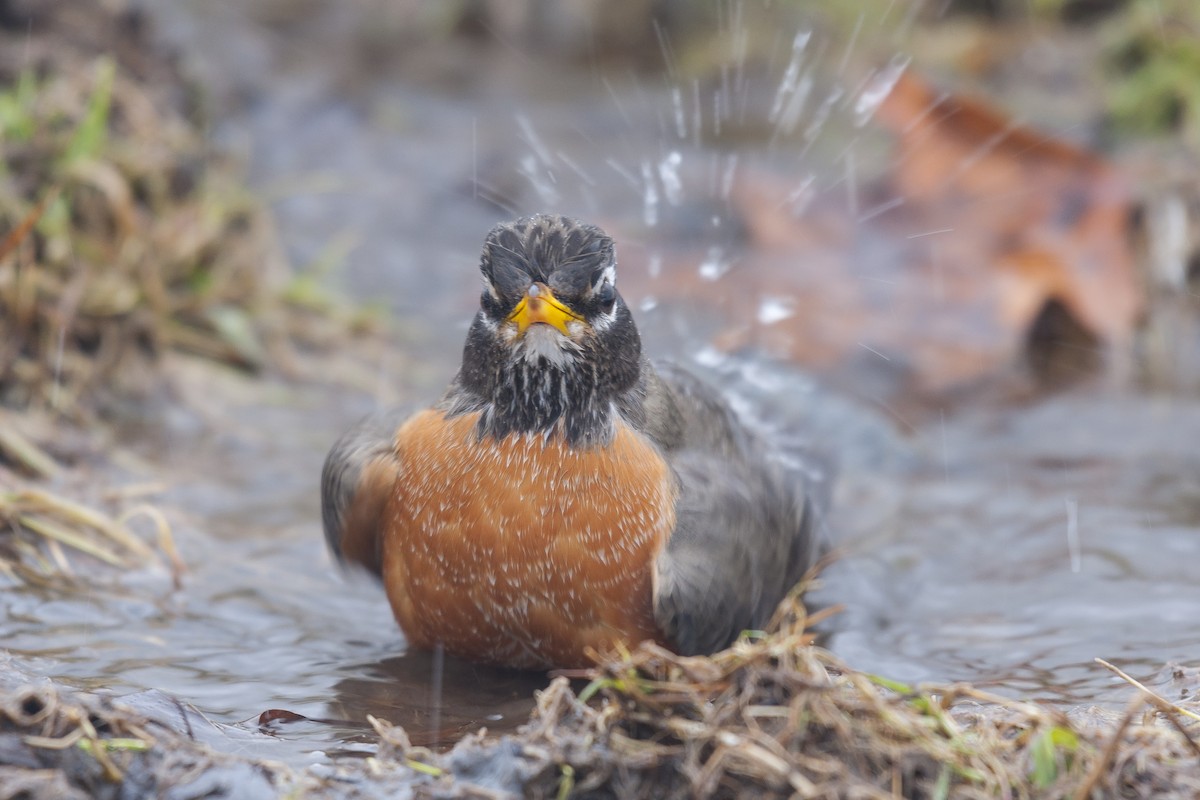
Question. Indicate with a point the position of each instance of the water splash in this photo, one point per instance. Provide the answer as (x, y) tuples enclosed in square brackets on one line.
[(790, 118), (438, 669), (654, 268), (709, 356), (668, 173), (823, 113), (616, 101), (540, 180), (879, 85), (574, 167), (791, 77), (680, 119), (537, 167), (715, 264), (718, 107), (664, 46), (1073, 535), (531, 138), (880, 209), (775, 309), (800, 198), (619, 168), (851, 43), (649, 196), (727, 179)]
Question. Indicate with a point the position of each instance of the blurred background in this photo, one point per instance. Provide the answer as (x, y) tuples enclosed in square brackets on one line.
[(948, 246)]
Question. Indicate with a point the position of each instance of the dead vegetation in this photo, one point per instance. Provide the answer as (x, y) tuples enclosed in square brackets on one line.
[(58, 530), (775, 716), (62, 745), (124, 238), (123, 234), (120, 238)]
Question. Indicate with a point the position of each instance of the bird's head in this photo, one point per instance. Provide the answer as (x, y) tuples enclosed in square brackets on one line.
[(552, 337)]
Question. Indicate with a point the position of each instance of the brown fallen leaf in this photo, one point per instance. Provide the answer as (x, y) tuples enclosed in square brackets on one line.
[(1052, 215), (978, 228), (279, 715)]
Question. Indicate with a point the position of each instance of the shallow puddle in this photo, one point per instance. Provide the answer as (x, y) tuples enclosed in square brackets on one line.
[(1004, 546)]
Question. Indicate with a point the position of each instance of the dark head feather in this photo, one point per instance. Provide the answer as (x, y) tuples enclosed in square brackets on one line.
[(575, 390)]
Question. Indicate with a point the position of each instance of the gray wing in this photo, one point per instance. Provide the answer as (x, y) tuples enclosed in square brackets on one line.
[(745, 530), (358, 477)]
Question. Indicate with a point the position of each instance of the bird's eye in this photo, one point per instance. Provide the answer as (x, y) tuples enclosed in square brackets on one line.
[(605, 296)]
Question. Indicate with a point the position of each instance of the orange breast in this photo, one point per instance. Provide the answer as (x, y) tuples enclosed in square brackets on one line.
[(523, 551)]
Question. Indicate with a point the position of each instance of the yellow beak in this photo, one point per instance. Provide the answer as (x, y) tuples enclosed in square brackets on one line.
[(540, 305)]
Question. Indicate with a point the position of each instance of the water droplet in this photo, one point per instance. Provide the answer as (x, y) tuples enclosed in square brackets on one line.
[(775, 309), (668, 173), (791, 75), (542, 182), (709, 356), (649, 196), (533, 140), (715, 264), (878, 87), (822, 114), (790, 117), (729, 176), (799, 199), (680, 121)]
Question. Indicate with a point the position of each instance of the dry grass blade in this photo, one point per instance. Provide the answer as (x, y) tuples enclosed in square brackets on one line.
[(124, 235), (24, 453), (70, 537), (1159, 702), (21, 231), (166, 540), (41, 533), (774, 716), (80, 516)]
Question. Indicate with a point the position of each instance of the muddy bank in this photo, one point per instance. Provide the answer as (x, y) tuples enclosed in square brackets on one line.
[(56, 743)]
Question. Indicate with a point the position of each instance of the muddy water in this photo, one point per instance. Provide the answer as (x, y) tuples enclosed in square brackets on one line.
[(1008, 547)]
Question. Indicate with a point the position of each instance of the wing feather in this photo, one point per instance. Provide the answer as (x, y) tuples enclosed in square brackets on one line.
[(745, 530), (358, 477)]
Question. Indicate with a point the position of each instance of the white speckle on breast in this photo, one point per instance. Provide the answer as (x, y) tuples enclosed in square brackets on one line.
[(525, 540)]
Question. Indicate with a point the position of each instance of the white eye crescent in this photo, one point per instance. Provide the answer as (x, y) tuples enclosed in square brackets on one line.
[(608, 276)]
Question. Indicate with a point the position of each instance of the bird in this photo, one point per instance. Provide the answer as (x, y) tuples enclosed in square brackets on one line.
[(566, 495)]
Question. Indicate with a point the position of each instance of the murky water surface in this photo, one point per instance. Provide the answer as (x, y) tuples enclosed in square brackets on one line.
[(1005, 547)]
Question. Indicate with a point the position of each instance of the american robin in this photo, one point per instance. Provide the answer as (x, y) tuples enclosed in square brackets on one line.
[(565, 493)]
